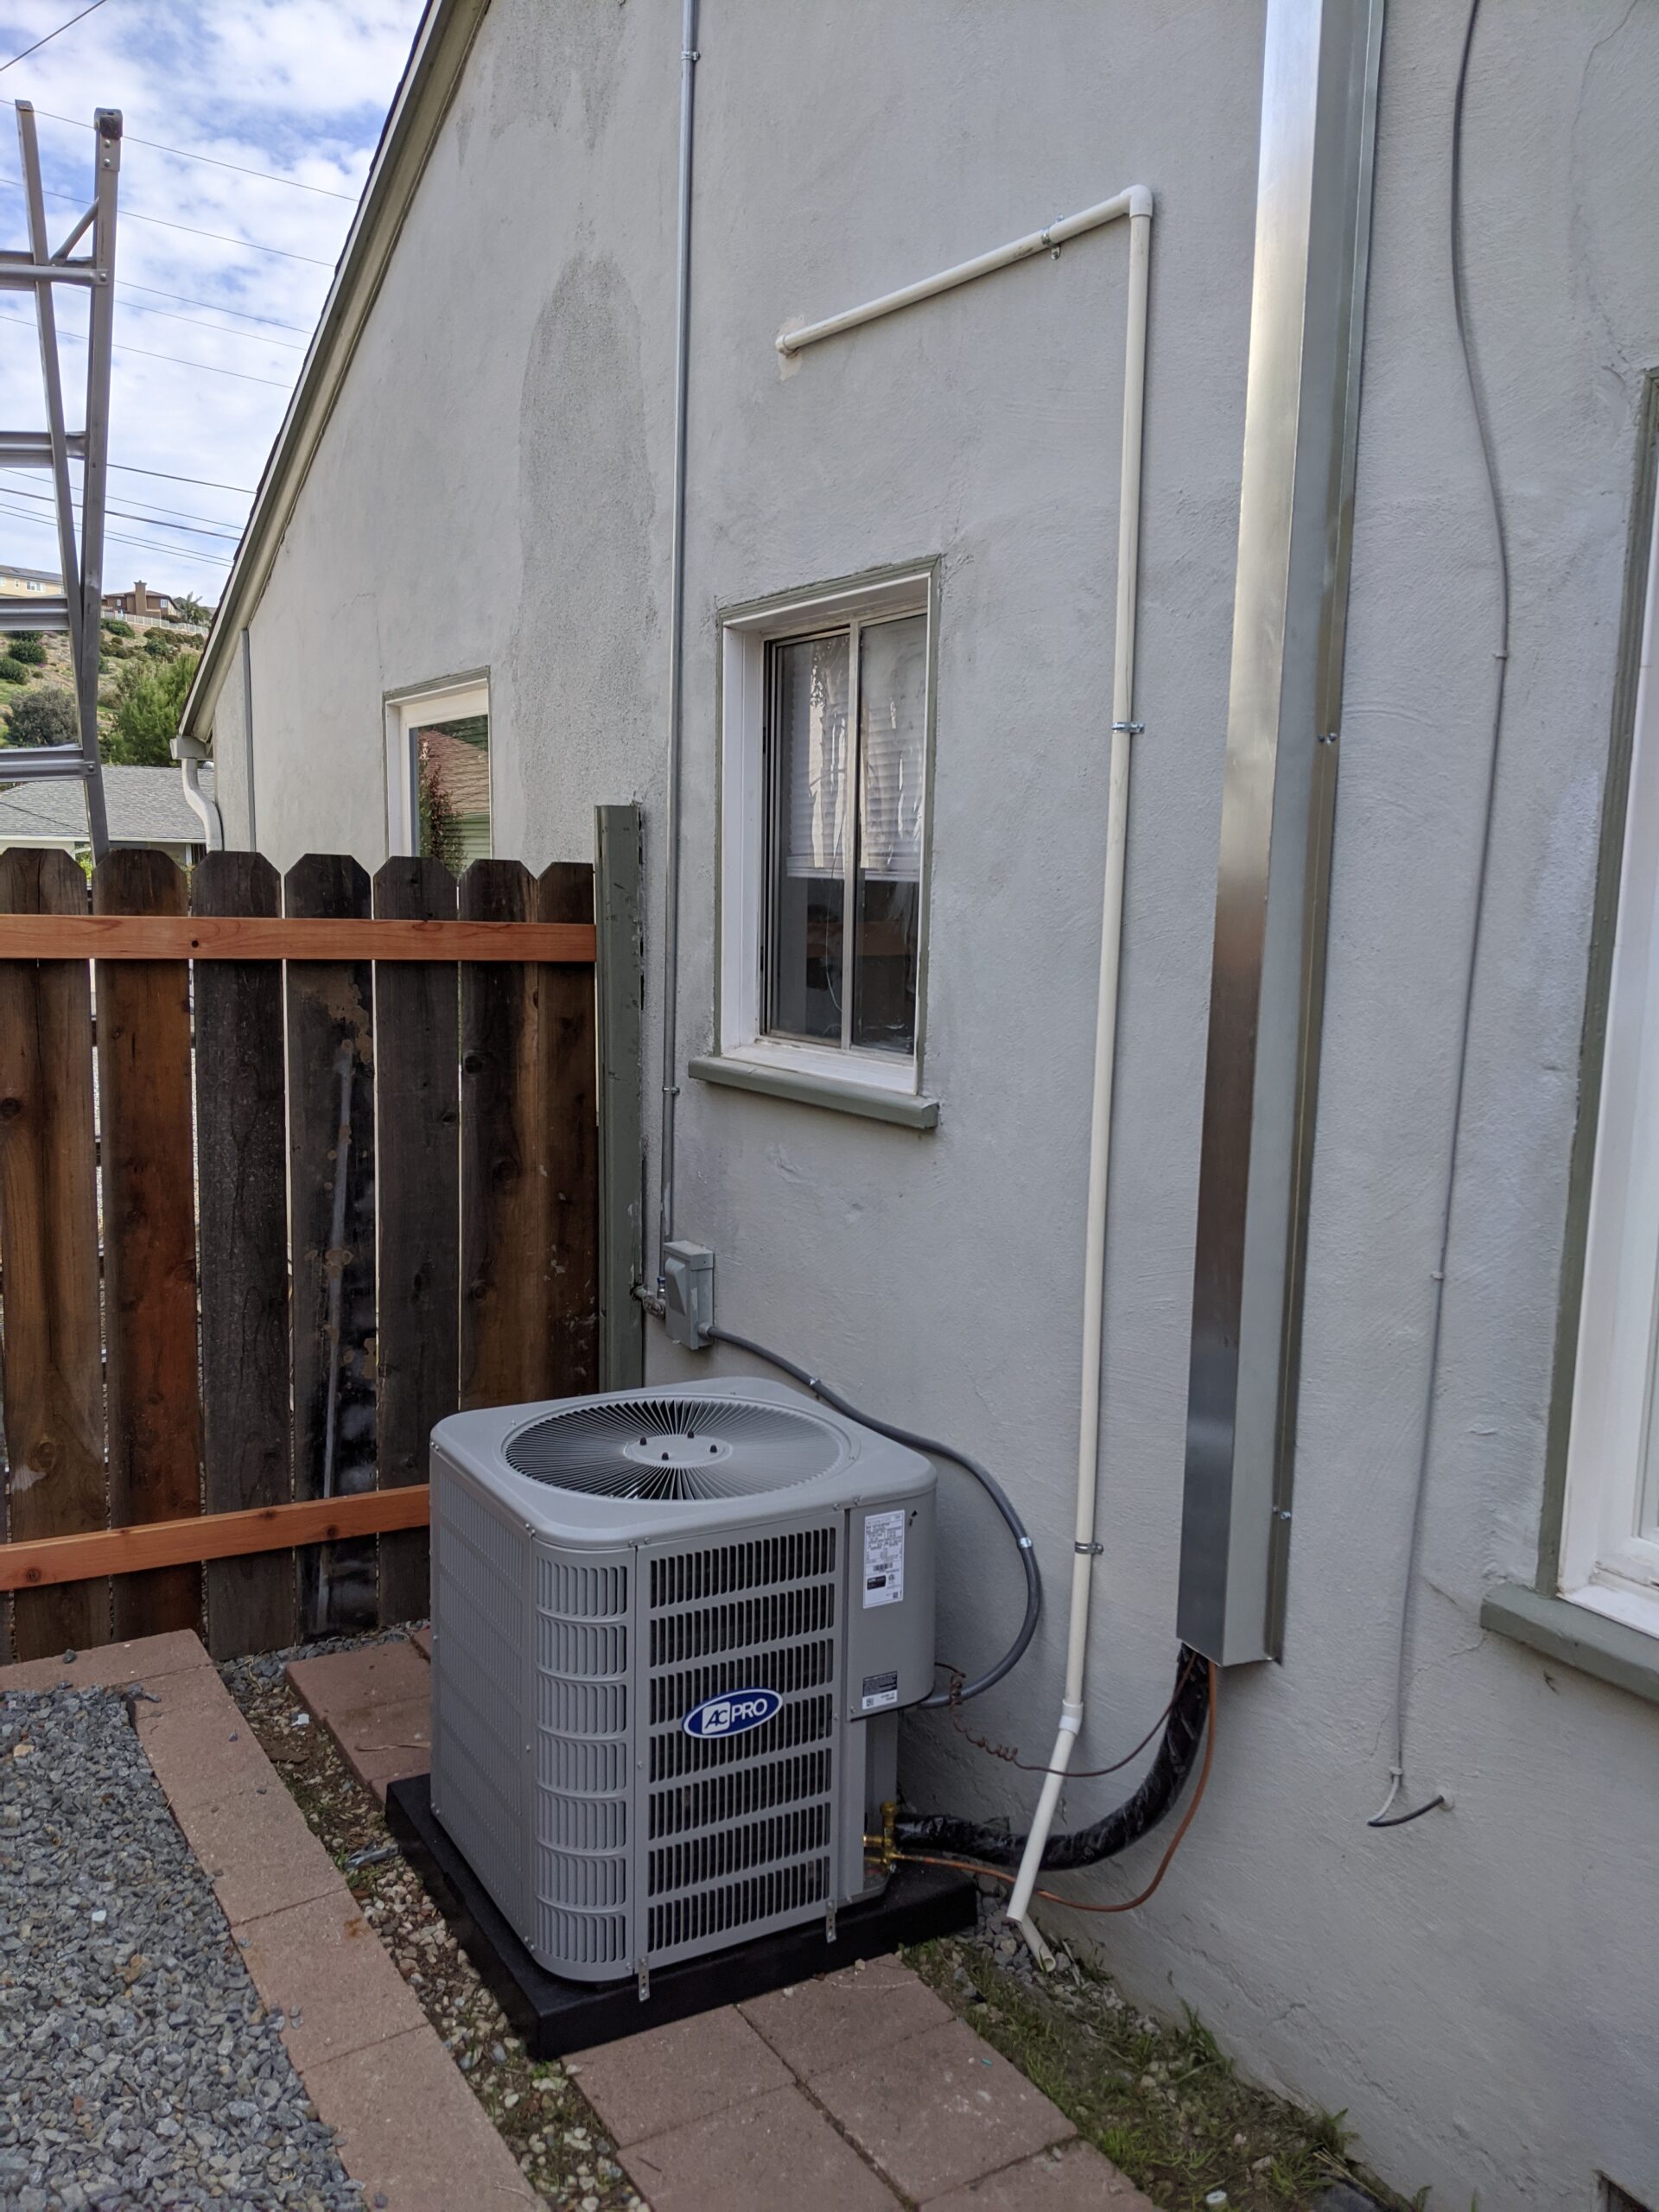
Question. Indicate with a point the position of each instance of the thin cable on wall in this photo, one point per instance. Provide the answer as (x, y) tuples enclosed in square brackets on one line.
[(1385, 1816)]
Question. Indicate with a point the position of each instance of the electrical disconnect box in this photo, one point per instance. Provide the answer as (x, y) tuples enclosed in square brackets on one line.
[(688, 1295)]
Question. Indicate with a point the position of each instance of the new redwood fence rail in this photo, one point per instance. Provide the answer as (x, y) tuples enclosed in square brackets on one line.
[(288, 1170)]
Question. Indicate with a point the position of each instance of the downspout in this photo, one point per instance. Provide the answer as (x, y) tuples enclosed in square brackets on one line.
[(1085, 1548), (190, 752), (676, 655)]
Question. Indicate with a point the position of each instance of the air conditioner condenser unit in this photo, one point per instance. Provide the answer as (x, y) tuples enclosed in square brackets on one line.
[(672, 1632)]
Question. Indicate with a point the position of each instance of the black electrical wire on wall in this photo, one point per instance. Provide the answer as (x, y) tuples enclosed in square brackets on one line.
[(932, 1445)]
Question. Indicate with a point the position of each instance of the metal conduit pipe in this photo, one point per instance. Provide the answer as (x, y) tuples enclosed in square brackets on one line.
[(676, 652)]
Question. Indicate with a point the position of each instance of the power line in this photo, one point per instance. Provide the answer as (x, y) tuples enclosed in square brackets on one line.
[(183, 153), (178, 361), (119, 537), (195, 322), (154, 520), (171, 476), (181, 514), (126, 284), (50, 35), (221, 238)]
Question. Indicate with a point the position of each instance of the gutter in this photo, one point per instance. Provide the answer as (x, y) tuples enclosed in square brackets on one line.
[(430, 80)]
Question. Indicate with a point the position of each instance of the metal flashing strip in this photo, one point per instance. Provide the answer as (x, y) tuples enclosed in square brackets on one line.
[(1319, 121)]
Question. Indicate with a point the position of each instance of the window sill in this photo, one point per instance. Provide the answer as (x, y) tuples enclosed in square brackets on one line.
[(901, 1108), (1577, 1636)]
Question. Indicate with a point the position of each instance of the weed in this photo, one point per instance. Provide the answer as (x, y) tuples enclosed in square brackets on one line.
[(1163, 2103)]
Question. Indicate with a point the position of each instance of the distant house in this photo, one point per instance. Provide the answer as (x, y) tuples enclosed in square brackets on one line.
[(28, 583), (147, 806), (140, 601)]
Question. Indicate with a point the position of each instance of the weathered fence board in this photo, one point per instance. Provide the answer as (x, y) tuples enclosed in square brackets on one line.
[(570, 1123), (360, 1190), (242, 1173), (504, 1267), (149, 1240), (331, 1211), (417, 1043), (53, 1403), (619, 996)]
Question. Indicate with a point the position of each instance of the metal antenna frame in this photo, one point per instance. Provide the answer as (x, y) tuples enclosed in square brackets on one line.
[(80, 608)]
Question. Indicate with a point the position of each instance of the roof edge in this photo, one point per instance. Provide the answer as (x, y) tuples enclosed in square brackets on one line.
[(425, 93)]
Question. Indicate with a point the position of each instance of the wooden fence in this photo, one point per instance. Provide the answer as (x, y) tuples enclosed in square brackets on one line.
[(289, 1170)]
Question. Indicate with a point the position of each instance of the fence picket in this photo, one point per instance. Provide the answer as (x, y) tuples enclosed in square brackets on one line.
[(149, 1240), (54, 1378), (416, 1046), (569, 1125), (503, 1279), (242, 1175), (330, 1023)]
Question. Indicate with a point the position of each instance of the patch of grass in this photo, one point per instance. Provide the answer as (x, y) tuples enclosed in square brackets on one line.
[(1163, 2103)]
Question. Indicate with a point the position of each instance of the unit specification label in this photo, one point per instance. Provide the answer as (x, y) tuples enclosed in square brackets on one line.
[(884, 1558), (879, 1690)]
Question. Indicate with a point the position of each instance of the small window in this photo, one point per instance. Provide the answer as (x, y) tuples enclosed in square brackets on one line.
[(438, 775), (824, 778), (845, 744)]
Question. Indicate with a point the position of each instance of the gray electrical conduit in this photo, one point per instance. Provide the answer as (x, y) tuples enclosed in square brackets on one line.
[(934, 1449)]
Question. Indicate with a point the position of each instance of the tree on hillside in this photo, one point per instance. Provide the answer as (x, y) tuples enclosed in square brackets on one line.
[(43, 716), (188, 607), (149, 699)]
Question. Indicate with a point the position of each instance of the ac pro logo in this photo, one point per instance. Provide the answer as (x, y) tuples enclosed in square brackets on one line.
[(733, 1714)]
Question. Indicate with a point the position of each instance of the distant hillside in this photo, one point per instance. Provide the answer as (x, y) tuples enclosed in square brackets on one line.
[(122, 643)]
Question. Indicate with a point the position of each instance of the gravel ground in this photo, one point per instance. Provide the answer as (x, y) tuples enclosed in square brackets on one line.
[(140, 2067), (555, 2134)]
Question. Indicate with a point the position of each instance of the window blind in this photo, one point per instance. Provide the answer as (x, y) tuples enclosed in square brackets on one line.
[(813, 682), (893, 701)]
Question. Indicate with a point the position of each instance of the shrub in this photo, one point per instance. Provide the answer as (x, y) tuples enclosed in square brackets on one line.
[(115, 627), (13, 671), (28, 649), (150, 697), (43, 716), (28, 637), (158, 642)]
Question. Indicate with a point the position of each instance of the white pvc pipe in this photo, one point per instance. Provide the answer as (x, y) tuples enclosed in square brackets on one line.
[(1135, 202), (1111, 944)]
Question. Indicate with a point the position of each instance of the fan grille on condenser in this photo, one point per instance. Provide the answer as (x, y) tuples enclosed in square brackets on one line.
[(675, 1448)]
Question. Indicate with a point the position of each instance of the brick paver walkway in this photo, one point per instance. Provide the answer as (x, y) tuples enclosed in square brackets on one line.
[(860, 2089)]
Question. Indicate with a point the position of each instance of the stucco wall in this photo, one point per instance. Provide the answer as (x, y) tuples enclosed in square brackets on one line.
[(493, 491)]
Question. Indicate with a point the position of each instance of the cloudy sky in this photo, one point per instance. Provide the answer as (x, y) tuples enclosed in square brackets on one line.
[(295, 89)]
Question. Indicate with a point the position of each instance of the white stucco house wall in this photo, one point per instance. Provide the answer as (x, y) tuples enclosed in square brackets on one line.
[(1321, 1413)]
